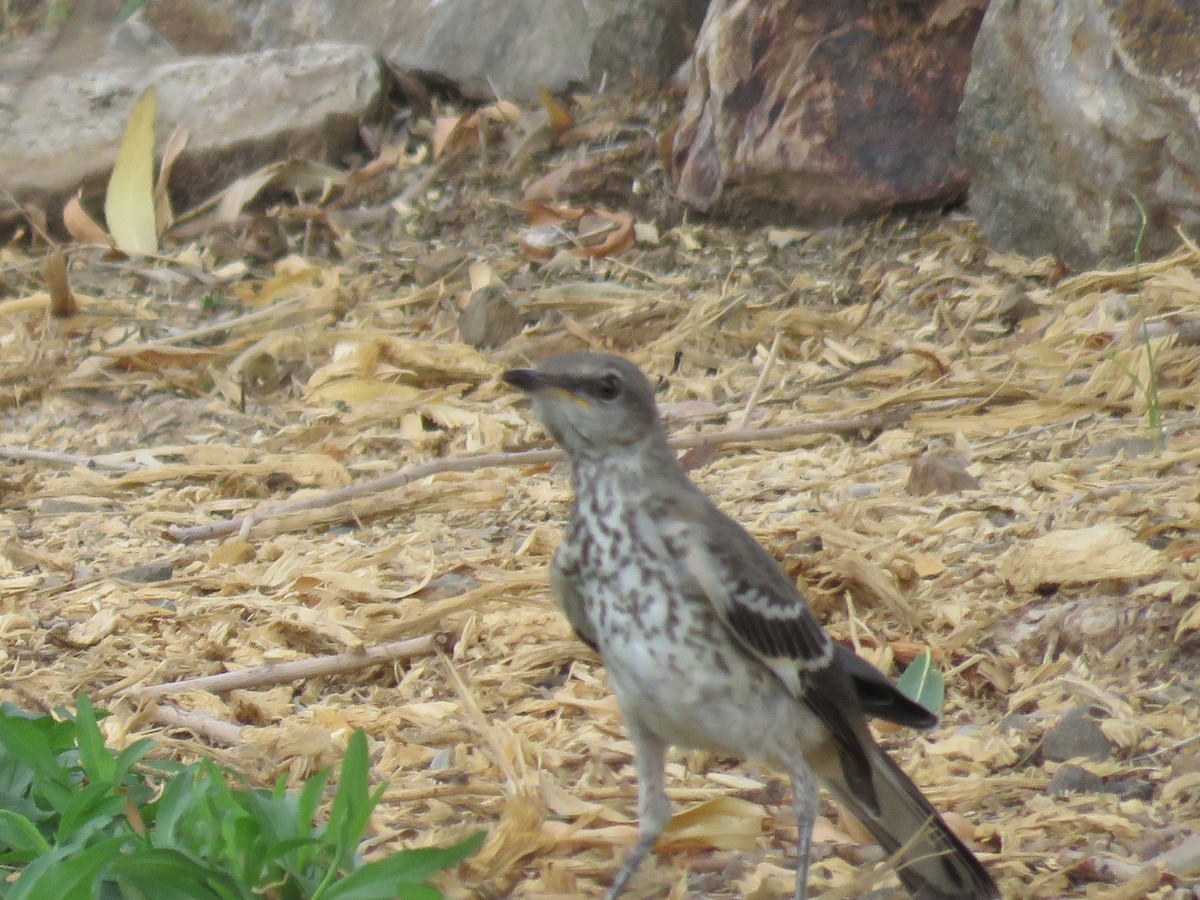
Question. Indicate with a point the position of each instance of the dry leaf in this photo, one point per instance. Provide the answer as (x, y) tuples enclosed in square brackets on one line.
[(302, 177), (599, 233), (560, 118), (726, 823), (129, 202), (232, 552), (174, 146), (82, 227), (1080, 556)]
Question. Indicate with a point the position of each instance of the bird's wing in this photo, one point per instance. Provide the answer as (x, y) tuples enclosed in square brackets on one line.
[(564, 583), (755, 598), (768, 616)]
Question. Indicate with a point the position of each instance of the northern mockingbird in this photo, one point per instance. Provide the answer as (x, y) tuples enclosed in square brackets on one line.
[(709, 644)]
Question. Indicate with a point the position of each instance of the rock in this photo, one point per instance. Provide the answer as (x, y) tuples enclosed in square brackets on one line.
[(1131, 788), (437, 264), (60, 506), (525, 44), (1072, 106), (1018, 723), (829, 108), (149, 573), (490, 319), (1077, 735), (197, 26), (1130, 446), (59, 133), (1073, 779), (939, 473)]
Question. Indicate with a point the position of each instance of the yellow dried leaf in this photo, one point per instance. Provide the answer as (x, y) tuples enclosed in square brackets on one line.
[(356, 391), (129, 202), (724, 822), (95, 629), (81, 226), (927, 566), (231, 553), (1081, 556), (163, 214)]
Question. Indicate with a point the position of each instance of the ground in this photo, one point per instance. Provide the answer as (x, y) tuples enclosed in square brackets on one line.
[(1052, 562)]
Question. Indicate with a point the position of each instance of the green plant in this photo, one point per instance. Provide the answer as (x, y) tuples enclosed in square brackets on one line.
[(80, 821)]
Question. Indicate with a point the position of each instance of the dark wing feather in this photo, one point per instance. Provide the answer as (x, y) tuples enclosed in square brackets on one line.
[(766, 613), (879, 697)]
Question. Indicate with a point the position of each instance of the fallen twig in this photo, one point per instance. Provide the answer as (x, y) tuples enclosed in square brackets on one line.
[(372, 486), (363, 489), (281, 673), (7, 451), (200, 724)]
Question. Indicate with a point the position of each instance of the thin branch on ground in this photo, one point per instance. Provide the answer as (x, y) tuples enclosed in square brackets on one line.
[(201, 724), (7, 451), (270, 674), (373, 486)]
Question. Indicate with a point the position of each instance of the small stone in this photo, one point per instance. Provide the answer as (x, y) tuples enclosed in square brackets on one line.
[(1073, 779), (437, 264), (1018, 722), (1131, 788), (1131, 447), (1077, 735), (1015, 307), (58, 506), (148, 573), (450, 584), (490, 318), (938, 473)]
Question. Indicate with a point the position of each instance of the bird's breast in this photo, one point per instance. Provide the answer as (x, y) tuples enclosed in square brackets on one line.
[(672, 663)]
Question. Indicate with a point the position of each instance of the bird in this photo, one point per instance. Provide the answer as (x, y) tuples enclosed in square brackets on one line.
[(709, 644)]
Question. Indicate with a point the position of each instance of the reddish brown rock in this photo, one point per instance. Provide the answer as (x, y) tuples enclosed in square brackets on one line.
[(830, 108)]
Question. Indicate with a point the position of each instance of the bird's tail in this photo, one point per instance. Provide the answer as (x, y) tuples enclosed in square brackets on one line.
[(931, 861)]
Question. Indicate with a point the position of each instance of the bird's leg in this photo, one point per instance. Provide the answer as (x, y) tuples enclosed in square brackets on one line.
[(654, 809), (805, 800)]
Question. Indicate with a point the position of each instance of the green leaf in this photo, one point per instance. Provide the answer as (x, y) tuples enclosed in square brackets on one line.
[(96, 759), (66, 873), (92, 808), (383, 878), (923, 683), (351, 809), (20, 840), (170, 875), (130, 757), (26, 743)]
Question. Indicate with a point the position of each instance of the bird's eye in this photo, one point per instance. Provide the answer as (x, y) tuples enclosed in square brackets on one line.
[(609, 387)]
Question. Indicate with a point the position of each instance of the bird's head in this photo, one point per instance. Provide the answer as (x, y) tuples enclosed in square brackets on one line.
[(593, 404)]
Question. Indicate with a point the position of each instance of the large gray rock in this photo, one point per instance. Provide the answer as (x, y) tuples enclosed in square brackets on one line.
[(832, 109), (510, 47), (59, 133), (1072, 109)]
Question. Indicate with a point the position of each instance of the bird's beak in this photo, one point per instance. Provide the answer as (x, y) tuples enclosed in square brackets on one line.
[(528, 380), (531, 381)]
